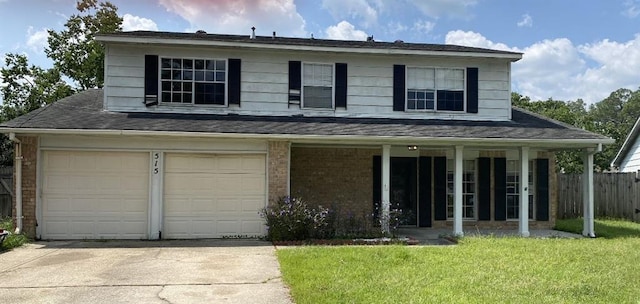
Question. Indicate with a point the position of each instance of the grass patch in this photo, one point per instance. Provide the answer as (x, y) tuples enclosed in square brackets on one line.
[(13, 240), (606, 228), (478, 270)]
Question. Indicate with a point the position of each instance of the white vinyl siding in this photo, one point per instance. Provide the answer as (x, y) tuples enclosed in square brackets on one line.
[(265, 83)]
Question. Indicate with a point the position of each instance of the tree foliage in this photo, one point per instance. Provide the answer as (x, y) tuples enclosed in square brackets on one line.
[(614, 117), (74, 51), (76, 57)]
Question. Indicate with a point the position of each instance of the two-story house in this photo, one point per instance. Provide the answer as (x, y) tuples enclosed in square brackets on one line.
[(194, 133)]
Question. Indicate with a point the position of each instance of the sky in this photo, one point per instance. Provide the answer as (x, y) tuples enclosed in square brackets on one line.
[(573, 49)]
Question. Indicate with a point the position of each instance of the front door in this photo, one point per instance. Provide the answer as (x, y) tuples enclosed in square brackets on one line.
[(403, 193)]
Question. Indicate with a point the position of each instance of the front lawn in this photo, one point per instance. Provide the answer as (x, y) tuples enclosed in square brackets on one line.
[(478, 270)]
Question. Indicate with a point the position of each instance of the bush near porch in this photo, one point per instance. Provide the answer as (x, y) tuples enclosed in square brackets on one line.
[(293, 219), (478, 270)]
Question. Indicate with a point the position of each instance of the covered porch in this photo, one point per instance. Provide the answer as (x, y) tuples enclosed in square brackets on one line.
[(449, 189)]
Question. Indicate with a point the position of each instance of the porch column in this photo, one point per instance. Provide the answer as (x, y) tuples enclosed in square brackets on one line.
[(386, 178), (457, 194), (523, 226), (588, 227)]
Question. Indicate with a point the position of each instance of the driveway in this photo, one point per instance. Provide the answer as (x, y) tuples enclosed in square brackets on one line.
[(201, 271)]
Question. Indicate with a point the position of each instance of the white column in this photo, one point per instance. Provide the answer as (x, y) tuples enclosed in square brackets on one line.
[(523, 225), (386, 185), (155, 200), (588, 227), (457, 192)]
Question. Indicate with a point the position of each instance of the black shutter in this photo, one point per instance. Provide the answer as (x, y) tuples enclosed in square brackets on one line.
[(341, 85), (234, 81), (542, 189), (151, 80), (424, 186), (440, 188), (377, 184), (500, 184), (484, 189), (398, 87), (472, 90), (295, 82)]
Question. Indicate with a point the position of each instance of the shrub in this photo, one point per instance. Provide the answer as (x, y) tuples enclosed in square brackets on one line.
[(291, 219), (12, 240)]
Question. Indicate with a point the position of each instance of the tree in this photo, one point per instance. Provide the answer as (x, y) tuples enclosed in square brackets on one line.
[(27, 87), (74, 51), (75, 54), (573, 113), (614, 116)]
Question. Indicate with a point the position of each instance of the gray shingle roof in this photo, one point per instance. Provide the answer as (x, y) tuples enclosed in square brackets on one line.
[(84, 111), (306, 42)]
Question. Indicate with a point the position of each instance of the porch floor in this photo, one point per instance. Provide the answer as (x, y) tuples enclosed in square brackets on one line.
[(433, 236)]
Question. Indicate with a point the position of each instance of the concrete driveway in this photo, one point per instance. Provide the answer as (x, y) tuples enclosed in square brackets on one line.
[(201, 271)]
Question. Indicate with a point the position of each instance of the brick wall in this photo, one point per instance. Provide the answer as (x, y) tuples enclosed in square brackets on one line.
[(278, 164), (29, 170), (334, 176)]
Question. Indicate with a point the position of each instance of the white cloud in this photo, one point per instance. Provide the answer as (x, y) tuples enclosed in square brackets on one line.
[(345, 31), (631, 8), (526, 21), (353, 10), (561, 70), (450, 8), (238, 16), (136, 23), (474, 39), (423, 27), (394, 28), (37, 40)]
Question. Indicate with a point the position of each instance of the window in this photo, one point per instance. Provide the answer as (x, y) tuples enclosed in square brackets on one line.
[(468, 188), (438, 89), (193, 81), (317, 82), (513, 189)]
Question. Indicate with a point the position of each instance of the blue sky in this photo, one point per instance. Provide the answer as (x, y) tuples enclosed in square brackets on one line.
[(572, 49)]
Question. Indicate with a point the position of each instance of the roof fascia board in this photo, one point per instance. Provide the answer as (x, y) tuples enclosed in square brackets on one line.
[(628, 142), (193, 42), (575, 143)]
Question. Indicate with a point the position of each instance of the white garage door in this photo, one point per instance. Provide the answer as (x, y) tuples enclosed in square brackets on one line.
[(94, 195), (211, 196)]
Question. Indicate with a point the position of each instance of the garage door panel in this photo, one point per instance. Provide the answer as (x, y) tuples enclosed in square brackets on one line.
[(95, 195), (209, 195)]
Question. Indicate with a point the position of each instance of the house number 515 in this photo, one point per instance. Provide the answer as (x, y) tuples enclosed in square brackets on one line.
[(156, 165)]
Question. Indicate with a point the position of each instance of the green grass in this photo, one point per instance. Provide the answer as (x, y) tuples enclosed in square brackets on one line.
[(13, 240), (478, 270), (606, 228)]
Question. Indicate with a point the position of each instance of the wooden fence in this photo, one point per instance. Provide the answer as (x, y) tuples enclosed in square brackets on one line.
[(6, 191), (615, 195)]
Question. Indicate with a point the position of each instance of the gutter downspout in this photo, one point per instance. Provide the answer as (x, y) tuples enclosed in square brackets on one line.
[(18, 166)]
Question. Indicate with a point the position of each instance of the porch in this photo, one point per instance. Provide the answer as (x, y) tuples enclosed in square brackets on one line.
[(452, 190)]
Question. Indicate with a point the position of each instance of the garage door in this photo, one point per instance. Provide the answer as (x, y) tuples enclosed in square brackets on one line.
[(94, 195), (211, 196)]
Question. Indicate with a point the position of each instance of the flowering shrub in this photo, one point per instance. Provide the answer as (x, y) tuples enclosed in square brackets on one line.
[(291, 219)]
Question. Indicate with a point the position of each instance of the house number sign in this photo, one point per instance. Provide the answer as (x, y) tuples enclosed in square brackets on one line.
[(156, 162)]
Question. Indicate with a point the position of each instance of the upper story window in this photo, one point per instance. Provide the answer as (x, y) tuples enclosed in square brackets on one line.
[(317, 85), (317, 82), (193, 81), (439, 89), (435, 89)]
